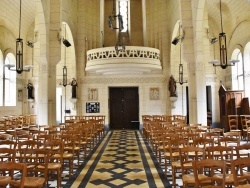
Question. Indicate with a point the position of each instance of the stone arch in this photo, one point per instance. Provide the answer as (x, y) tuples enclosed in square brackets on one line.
[(246, 56), (40, 26)]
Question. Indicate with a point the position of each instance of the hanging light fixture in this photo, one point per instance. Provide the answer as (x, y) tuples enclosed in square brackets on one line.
[(181, 81), (67, 44), (180, 37), (120, 46), (113, 18), (65, 76), (223, 49), (19, 51)]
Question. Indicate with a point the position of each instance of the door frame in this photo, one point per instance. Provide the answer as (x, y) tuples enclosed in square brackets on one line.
[(109, 100)]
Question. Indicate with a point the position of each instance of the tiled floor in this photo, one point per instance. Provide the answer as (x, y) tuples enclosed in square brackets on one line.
[(122, 159), (114, 163)]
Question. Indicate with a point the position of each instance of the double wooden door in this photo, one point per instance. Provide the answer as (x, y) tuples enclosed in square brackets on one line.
[(124, 107)]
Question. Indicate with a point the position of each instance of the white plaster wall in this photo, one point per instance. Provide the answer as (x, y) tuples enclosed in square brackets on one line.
[(146, 106)]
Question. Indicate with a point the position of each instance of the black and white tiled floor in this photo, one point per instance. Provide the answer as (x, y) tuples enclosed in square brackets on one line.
[(123, 159), (116, 162)]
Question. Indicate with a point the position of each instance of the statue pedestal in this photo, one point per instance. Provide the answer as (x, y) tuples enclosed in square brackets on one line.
[(73, 101), (173, 100)]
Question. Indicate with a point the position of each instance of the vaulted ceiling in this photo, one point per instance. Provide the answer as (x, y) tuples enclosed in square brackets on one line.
[(10, 14), (233, 12)]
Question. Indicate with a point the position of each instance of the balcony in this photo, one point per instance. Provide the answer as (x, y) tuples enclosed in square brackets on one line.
[(134, 60)]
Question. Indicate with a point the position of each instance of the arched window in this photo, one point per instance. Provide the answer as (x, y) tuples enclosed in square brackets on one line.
[(238, 71), (9, 82), (247, 69), (123, 10)]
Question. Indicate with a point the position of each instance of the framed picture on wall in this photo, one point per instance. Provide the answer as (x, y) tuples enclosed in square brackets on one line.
[(154, 93), (93, 94), (92, 107), (20, 95)]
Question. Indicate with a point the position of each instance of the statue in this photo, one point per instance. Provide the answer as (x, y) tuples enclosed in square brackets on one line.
[(30, 91), (172, 86), (73, 84)]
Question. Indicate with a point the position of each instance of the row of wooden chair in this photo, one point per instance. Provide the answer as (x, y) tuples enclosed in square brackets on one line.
[(65, 143), (166, 118), (166, 139), (17, 122)]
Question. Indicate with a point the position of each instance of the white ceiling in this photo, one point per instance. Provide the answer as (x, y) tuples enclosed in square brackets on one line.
[(234, 12), (9, 15)]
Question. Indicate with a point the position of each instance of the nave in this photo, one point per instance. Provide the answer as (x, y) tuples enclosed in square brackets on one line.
[(122, 159)]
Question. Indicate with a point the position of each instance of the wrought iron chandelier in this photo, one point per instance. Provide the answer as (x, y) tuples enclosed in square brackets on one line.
[(223, 49), (19, 51), (175, 41)]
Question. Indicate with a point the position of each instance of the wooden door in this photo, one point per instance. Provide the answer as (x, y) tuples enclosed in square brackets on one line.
[(124, 108)]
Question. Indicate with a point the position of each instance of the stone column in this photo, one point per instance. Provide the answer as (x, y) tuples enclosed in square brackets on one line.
[(193, 54), (47, 65)]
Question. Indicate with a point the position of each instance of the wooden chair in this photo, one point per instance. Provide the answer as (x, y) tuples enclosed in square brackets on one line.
[(240, 167), (217, 130), (82, 142), (190, 137), (43, 137), (8, 144), (6, 136), (157, 118), (167, 118), (212, 135), (229, 141), (7, 154), (77, 147), (146, 129), (194, 126), (203, 142), (187, 156), (222, 153), (242, 150), (24, 137), (3, 126), (69, 151), (27, 144), (245, 126), (205, 171), (37, 167), (8, 169), (174, 156), (246, 129), (233, 123), (163, 139), (56, 148)]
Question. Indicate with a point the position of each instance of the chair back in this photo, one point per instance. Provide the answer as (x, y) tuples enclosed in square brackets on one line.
[(240, 172), (8, 168), (205, 171), (7, 154), (37, 161)]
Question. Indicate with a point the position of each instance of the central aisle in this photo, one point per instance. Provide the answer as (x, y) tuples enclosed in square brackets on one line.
[(121, 160)]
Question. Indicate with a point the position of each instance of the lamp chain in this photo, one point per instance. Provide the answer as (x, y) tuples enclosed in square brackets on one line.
[(113, 12), (20, 18), (221, 18)]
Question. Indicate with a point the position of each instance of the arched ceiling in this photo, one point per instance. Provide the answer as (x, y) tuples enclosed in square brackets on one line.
[(234, 12), (9, 15)]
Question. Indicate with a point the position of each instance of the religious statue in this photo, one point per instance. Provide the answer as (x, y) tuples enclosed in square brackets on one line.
[(73, 84), (30, 91), (172, 86)]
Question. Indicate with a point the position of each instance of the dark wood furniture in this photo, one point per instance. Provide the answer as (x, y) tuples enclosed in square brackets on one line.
[(232, 102)]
